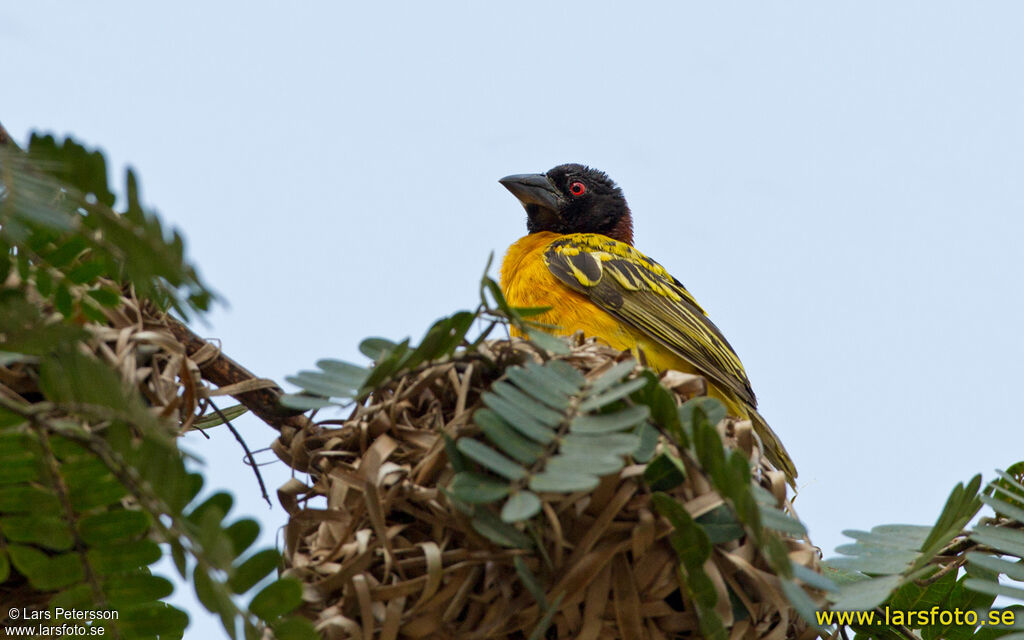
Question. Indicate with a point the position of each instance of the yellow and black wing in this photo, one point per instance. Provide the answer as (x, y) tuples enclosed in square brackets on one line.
[(640, 293)]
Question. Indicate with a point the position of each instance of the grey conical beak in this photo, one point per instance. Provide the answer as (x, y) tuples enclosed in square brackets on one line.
[(533, 188)]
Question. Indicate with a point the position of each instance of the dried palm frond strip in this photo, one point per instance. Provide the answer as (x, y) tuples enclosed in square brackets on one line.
[(389, 555)]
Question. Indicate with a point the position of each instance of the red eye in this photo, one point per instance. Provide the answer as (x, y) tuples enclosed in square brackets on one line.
[(577, 188)]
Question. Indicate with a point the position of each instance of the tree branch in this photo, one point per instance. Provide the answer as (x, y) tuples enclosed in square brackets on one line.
[(223, 371)]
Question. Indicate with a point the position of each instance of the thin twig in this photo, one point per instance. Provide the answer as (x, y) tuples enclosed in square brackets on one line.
[(248, 454), (938, 575)]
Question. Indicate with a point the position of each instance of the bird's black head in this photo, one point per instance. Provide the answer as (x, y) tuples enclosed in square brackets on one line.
[(572, 198)]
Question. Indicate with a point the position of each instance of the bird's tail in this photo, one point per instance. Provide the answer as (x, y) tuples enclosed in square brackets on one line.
[(772, 446)]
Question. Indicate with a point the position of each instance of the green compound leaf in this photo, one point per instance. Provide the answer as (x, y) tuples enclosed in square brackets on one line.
[(277, 599), (613, 395), (817, 580), (134, 589), (664, 472), (376, 348), (706, 408), (125, 556), (563, 482), (114, 526), (302, 402), (243, 534), (1012, 570), (155, 619), (610, 422), (214, 419), (508, 440), (256, 568), (802, 602), (611, 378), (532, 384), (548, 342), (600, 465), (721, 525), (476, 488), (1008, 541), (781, 521), (558, 376), (344, 373), (593, 445), (516, 398), (295, 628), (520, 506), (499, 532), (518, 420), (321, 384), (490, 459), (866, 594), (48, 532)]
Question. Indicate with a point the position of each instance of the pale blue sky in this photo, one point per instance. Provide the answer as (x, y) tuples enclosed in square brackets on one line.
[(839, 184)]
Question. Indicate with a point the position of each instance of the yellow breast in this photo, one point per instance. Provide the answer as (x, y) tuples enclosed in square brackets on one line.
[(526, 281)]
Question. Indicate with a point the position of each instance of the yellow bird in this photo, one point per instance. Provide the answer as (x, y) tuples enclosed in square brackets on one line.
[(578, 258)]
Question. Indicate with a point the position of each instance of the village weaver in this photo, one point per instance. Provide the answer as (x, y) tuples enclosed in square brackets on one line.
[(578, 259)]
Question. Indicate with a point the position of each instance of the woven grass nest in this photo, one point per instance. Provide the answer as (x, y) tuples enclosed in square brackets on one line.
[(391, 557), (135, 342)]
